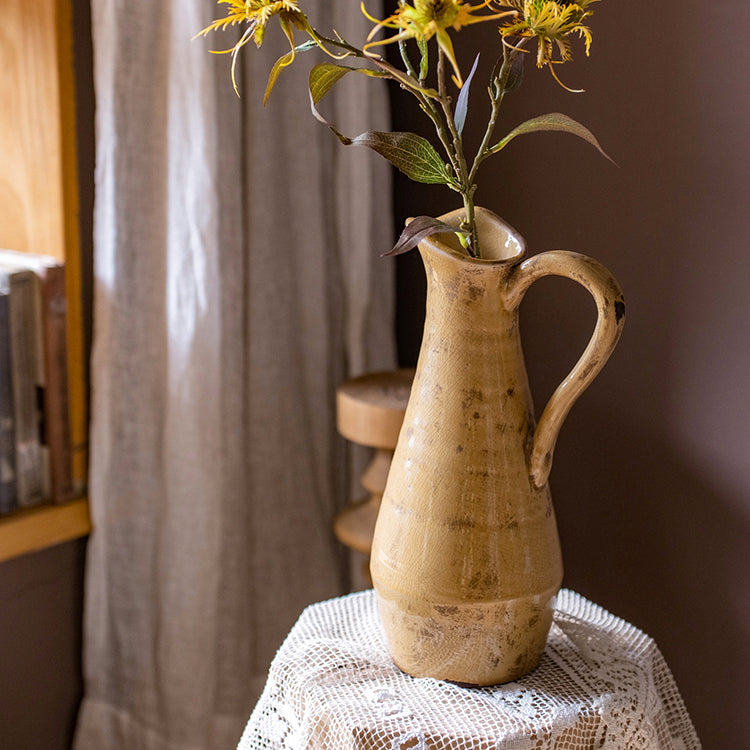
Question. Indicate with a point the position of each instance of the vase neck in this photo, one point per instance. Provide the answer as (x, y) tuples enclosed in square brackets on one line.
[(461, 285)]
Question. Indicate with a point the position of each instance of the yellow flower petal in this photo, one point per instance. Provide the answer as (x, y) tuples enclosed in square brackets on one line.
[(551, 22)]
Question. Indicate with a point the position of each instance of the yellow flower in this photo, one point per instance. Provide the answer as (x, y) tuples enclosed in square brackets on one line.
[(257, 14), (551, 22), (427, 18)]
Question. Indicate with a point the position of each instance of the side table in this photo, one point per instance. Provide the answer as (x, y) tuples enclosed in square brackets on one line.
[(370, 410), (601, 684)]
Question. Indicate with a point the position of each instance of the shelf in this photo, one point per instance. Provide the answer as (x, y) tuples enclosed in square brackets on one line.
[(43, 526), (39, 208)]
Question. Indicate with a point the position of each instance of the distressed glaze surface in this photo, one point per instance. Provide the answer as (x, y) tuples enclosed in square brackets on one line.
[(466, 557)]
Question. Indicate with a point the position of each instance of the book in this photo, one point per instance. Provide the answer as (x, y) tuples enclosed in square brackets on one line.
[(55, 434), (27, 378), (8, 501)]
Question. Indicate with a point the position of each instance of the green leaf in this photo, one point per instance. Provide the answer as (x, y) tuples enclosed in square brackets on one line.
[(324, 75), (417, 230), (551, 122), (282, 63), (410, 153)]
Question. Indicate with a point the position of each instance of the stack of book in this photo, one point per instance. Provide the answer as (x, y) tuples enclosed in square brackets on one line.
[(35, 443)]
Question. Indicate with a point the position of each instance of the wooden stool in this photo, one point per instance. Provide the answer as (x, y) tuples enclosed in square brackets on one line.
[(370, 411)]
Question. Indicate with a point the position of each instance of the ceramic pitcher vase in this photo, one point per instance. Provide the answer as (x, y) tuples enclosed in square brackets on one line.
[(466, 557)]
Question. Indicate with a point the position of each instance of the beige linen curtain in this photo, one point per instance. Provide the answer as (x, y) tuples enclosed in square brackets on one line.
[(237, 281)]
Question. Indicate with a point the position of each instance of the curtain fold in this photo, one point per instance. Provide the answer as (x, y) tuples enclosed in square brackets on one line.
[(237, 282)]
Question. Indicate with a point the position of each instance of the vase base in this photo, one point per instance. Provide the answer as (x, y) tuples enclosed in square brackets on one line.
[(470, 644)]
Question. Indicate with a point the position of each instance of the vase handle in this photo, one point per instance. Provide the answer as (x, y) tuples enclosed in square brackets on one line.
[(610, 319)]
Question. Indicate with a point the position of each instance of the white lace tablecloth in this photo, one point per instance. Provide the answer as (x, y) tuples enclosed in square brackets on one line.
[(601, 684)]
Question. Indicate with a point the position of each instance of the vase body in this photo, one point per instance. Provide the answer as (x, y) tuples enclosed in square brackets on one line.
[(466, 558)]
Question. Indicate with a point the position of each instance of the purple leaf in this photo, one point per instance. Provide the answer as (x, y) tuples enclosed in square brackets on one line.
[(462, 105), (417, 230)]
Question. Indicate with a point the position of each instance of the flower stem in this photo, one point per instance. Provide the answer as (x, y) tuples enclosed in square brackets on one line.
[(471, 225), (498, 85), (461, 169), (410, 69)]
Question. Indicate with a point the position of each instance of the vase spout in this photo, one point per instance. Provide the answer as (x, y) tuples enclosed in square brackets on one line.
[(499, 241)]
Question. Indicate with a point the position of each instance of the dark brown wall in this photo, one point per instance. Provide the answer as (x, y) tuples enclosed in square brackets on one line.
[(651, 480), (41, 601)]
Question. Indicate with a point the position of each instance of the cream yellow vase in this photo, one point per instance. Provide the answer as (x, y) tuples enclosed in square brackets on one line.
[(466, 557)]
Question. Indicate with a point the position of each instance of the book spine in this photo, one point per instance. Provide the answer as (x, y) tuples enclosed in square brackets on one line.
[(56, 426), (8, 500), (25, 348), (77, 375)]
